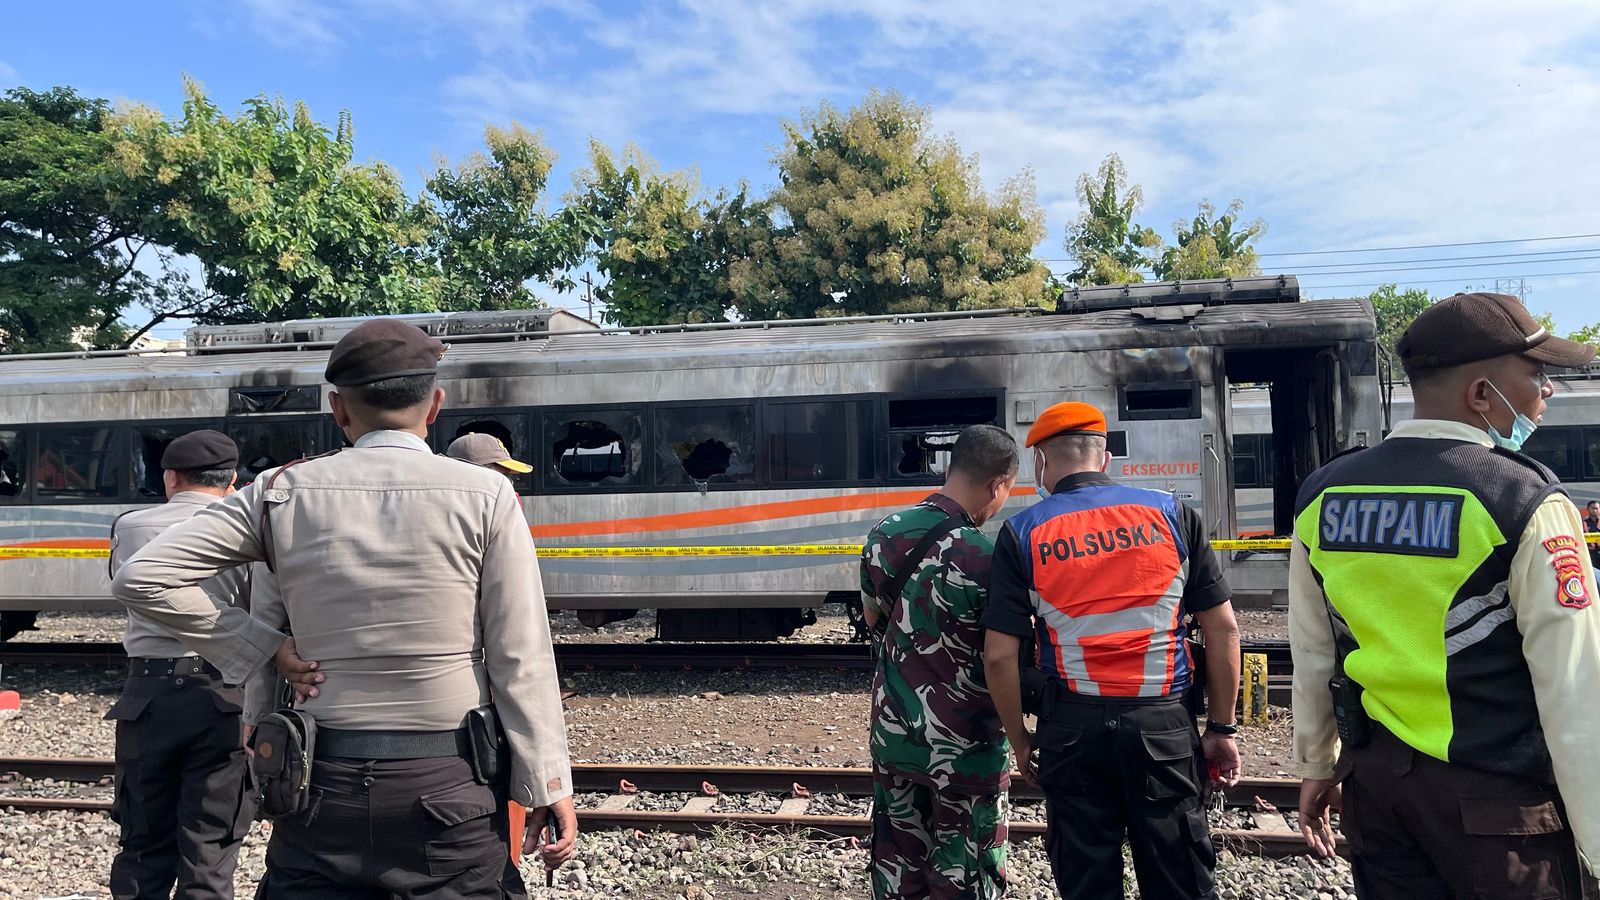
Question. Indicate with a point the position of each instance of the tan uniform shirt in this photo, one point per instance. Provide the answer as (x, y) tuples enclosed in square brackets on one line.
[(130, 533), (411, 578), (1561, 644)]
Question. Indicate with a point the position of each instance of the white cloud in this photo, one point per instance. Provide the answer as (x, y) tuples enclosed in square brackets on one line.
[(303, 24), (8, 75)]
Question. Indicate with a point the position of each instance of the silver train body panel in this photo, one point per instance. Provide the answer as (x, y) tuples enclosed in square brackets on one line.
[(1027, 361)]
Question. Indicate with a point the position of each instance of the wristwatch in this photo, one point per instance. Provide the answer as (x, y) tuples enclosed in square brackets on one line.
[(1224, 728)]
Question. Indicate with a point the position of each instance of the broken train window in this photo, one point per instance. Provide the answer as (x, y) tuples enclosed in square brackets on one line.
[(509, 428), (705, 444), (592, 447), (922, 431)]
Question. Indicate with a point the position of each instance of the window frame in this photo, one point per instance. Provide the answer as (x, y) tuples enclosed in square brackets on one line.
[(890, 473), (878, 431), (544, 485), (1126, 414), (120, 431), (320, 435), (758, 429), (1573, 437), (532, 423), (133, 496), (25, 496)]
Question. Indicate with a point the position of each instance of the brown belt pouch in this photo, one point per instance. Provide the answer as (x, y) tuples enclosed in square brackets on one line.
[(284, 745)]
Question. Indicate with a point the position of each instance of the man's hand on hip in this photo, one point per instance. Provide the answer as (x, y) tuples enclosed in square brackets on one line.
[(301, 674)]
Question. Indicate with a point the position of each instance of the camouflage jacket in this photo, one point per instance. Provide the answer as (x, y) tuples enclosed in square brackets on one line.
[(932, 719)]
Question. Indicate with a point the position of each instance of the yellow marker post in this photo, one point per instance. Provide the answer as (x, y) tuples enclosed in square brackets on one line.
[(1255, 689)]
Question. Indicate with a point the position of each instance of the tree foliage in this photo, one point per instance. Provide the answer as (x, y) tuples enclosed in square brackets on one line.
[(67, 258), (283, 224), (1589, 334), (660, 246), (487, 229), (879, 215), (1211, 246), (1108, 245)]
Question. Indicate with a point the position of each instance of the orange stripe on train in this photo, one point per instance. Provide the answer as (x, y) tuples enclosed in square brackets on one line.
[(733, 515)]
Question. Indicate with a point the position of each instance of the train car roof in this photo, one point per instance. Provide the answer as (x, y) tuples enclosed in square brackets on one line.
[(1310, 323)]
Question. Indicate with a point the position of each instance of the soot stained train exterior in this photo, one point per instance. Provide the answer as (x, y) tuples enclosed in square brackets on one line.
[(746, 438)]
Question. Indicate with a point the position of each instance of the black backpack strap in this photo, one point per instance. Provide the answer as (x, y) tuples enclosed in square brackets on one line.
[(913, 560)]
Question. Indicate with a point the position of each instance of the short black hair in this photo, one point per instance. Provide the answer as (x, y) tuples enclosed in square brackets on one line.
[(207, 478), (984, 452), (392, 394)]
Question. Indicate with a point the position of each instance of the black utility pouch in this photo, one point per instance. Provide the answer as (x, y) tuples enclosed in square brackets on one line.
[(488, 745), (284, 747), (1355, 729)]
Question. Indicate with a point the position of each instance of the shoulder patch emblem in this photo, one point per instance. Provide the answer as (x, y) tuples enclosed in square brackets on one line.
[(1571, 590)]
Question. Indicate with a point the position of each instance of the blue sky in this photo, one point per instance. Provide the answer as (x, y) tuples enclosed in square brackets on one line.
[(1344, 125)]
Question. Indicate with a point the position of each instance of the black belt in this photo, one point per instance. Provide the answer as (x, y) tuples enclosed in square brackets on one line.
[(167, 666), (361, 744), (1062, 695)]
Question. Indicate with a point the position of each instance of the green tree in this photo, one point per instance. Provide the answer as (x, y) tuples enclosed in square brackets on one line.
[(488, 230), (70, 263), (1589, 334), (1109, 247), (878, 215), (661, 247), (1211, 246), (283, 223), (1394, 310)]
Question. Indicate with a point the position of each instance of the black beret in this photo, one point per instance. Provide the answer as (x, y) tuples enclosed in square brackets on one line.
[(205, 449), (382, 348)]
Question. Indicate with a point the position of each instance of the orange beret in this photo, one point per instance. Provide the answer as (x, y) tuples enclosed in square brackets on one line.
[(1070, 417)]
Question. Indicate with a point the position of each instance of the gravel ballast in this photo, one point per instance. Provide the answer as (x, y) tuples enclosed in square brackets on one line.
[(748, 718)]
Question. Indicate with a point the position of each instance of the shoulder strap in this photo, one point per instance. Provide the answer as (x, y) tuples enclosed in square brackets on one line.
[(891, 591), (112, 541), (266, 508)]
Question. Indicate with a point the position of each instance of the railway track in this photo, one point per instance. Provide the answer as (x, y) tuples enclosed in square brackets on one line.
[(793, 794), (608, 656)]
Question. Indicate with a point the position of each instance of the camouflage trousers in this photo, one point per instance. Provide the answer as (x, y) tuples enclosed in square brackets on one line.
[(936, 845)]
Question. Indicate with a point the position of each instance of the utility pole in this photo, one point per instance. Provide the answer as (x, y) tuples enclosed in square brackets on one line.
[(588, 294)]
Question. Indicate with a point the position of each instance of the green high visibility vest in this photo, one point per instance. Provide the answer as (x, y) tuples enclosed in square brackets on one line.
[(1416, 575)]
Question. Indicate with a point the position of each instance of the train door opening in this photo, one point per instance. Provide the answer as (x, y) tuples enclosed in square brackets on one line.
[(1305, 391)]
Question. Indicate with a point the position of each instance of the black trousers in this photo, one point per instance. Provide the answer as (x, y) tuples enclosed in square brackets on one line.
[(183, 797), (1116, 769), (408, 828), (1424, 829)]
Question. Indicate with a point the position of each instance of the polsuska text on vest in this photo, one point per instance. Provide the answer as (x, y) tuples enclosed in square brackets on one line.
[(1093, 543)]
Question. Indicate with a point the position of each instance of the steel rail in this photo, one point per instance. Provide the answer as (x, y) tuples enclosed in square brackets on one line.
[(1274, 839)]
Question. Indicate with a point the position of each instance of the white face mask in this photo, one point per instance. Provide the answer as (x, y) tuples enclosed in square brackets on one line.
[(1038, 475)]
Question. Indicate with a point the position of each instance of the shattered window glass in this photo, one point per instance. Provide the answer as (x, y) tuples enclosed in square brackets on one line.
[(923, 430), (268, 443), (705, 444), (592, 448)]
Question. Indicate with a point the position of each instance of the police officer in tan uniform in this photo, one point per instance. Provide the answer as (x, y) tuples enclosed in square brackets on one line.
[(183, 802), (411, 581)]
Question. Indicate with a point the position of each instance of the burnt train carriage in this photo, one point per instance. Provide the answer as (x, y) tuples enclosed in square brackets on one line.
[(760, 436)]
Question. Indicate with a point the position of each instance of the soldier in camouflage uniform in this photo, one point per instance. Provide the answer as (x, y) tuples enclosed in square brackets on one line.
[(938, 751)]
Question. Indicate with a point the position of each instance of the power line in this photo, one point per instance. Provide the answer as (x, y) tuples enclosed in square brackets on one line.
[(1560, 237), (1503, 256), (1331, 287), (1436, 268)]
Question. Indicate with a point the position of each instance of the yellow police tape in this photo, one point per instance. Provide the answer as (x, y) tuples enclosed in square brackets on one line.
[(662, 552), (544, 552)]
